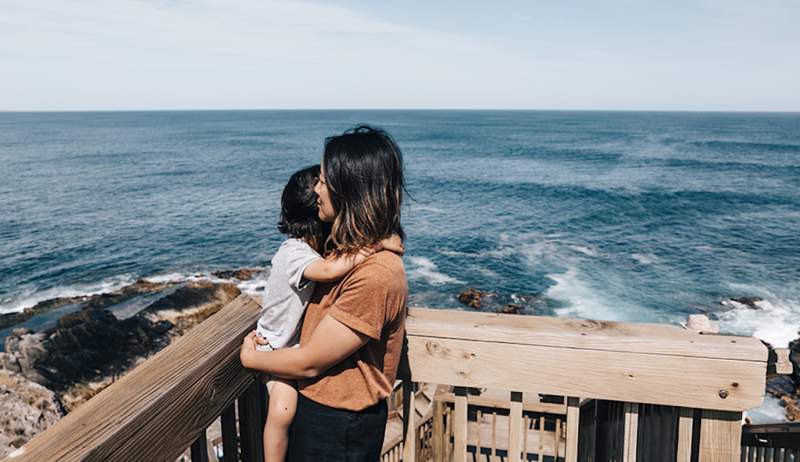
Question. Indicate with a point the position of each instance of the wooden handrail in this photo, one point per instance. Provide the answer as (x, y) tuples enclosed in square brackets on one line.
[(642, 363)]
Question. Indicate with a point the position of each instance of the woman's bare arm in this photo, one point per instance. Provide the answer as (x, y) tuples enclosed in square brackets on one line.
[(330, 343)]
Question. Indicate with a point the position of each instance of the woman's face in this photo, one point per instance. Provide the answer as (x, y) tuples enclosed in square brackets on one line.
[(324, 205)]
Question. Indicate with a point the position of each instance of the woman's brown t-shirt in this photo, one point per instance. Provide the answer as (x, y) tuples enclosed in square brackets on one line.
[(371, 300)]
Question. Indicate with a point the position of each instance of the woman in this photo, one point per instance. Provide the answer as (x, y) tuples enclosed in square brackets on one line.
[(352, 335)]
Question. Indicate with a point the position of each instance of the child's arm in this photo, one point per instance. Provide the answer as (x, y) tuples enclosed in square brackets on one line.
[(334, 268)]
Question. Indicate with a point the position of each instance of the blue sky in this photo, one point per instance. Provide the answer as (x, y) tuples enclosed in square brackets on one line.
[(264, 54)]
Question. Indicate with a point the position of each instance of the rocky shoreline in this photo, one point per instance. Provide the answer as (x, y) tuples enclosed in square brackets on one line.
[(67, 350)]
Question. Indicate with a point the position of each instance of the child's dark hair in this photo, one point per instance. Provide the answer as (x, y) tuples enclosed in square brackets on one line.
[(299, 217)]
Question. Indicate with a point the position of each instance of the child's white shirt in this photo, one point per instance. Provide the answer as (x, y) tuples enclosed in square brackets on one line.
[(287, 294)]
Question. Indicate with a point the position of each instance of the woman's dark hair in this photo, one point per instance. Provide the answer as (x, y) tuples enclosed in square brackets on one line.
[(299, 217), (364, 173)]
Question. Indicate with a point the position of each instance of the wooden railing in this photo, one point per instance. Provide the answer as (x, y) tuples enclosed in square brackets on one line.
[(771, 443), (516, 387)]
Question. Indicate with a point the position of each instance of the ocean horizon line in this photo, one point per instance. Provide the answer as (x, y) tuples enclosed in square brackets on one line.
[(397, 110)]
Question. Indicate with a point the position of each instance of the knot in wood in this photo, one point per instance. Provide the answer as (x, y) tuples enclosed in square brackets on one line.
[(433, 347)]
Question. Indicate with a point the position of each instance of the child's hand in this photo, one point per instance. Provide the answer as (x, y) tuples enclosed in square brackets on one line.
[(392, 243), (260, 341)]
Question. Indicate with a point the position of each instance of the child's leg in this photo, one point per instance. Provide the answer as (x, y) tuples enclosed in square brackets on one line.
[(282, 405)]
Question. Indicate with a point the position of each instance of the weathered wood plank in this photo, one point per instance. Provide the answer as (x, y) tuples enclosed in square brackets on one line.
[(658, 339), (720, 436), (438, 430), (460, 426), (631, 432), (685, 423), (573, 424), (152, 413), (409, 422), (619, 376), (514, 427)]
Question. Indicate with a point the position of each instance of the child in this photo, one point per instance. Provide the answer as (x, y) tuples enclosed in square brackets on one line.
[(296, 266)]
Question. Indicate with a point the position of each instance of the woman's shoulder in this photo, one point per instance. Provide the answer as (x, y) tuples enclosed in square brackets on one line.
[(384, 267)]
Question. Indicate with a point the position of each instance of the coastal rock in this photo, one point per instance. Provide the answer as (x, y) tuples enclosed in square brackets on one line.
[(26, 408), (242, 274), (103, 300), (743, 302), (510, 308), (472, 297), (190, 304)]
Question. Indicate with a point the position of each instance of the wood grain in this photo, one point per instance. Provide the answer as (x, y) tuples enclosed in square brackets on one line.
[(661, 339), (720, 436), (620, 376)]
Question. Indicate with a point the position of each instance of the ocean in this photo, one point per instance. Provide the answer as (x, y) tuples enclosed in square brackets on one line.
[(628, 216)]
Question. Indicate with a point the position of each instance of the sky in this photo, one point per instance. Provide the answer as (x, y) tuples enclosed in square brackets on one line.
[(720, 55)]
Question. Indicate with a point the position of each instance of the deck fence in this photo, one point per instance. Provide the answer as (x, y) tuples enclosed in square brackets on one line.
[(507, 388)]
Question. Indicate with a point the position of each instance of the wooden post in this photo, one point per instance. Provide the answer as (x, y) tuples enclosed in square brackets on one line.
[(409, 422), (230, 448), (573, 423), (720, 436), (200, 448), (631, 431), (438, 430), (460, 425), (251, 427), (685, 423), (514, 426)]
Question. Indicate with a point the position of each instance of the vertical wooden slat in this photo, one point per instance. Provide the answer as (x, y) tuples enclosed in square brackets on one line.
[(631, 432), (230, 448), (251, 426), (200, 448), (493, 454), (685, 421), (438, 431), (479, 419), (514, 426), (557, 439), (460, 426), (573, 423), (409, 422), (526, 420), (541, 438), (448, 431), (720, 436)]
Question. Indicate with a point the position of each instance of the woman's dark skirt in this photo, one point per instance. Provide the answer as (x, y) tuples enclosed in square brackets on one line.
[(322, 433)]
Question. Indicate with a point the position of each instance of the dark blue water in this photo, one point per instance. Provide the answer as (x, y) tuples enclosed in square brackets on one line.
[(625, 216)]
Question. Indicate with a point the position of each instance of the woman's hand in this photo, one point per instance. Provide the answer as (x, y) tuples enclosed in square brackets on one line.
[(247, 350)]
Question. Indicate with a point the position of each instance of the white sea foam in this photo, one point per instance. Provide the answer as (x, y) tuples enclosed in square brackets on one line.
[(30, 297), (584, 301), (588, 251), (645, 258), (770, 411), (424, 269), (774, 320), (580, 299)]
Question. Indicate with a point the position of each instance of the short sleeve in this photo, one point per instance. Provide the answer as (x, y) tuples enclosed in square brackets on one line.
[(297, 255), (370, 297)]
